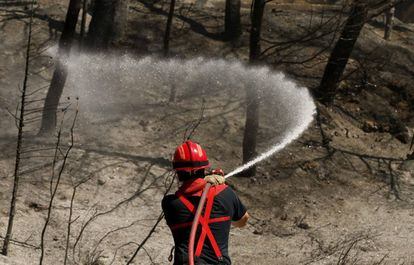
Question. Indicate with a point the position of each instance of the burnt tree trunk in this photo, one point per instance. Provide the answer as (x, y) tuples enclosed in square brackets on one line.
[(107, 27), (166, 48), (120, 19), (252, 95), (389, 22), (232, 25), (83, 23), (168, 28), (255, 32), (251, 129), (60, 74), (341, 52)]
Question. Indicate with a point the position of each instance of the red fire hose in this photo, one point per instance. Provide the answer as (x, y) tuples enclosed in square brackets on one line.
[(195, 224)]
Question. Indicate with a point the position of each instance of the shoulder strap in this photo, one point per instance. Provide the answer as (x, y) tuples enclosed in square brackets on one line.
[(204, 220), (186, 202), (206, 231)]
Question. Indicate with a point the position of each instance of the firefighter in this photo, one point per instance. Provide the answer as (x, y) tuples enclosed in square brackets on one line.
[(223, 208)]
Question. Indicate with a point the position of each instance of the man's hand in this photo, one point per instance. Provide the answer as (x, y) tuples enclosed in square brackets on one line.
[(242, 222), (215, 179)]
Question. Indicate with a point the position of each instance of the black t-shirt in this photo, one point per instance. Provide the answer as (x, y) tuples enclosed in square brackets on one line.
[(226, 203)]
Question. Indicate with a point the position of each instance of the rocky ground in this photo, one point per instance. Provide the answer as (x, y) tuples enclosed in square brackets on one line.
[(325, 194)]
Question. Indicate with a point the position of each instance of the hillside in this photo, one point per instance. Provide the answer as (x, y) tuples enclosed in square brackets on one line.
[(346, 184)]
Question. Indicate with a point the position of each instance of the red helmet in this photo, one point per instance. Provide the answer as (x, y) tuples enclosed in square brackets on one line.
[(190, 156)]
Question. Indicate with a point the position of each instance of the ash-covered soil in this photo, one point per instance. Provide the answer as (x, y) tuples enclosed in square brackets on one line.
[(325, 194)]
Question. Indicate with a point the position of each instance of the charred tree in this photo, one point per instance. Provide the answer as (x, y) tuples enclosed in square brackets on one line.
[(83, 22), (120, 19), (166, 48), (60, 74), (232, 25), (107, 27), (167, 34), (256, 27), (389, 22), (100, 27), (16, 179), (251, 129), (341, 52), (252, 108)]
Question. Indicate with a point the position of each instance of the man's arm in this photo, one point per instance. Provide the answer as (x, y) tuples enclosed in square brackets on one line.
[(242, 222)]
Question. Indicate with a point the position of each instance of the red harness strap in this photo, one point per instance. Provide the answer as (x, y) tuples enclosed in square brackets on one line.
[(204, 221), (209, 206), (188, 224)]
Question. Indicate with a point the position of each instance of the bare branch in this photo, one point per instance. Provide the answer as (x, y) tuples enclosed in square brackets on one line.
[(54, 189), (160, 217)]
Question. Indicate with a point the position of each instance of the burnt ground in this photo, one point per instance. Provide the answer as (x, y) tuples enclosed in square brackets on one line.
[(321, 196)]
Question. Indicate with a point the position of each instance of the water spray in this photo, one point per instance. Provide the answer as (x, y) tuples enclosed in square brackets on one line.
[(96, 79)]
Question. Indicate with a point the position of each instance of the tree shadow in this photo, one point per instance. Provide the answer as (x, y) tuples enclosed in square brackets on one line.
[(194, 25), (54, 25), (161, 161)]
